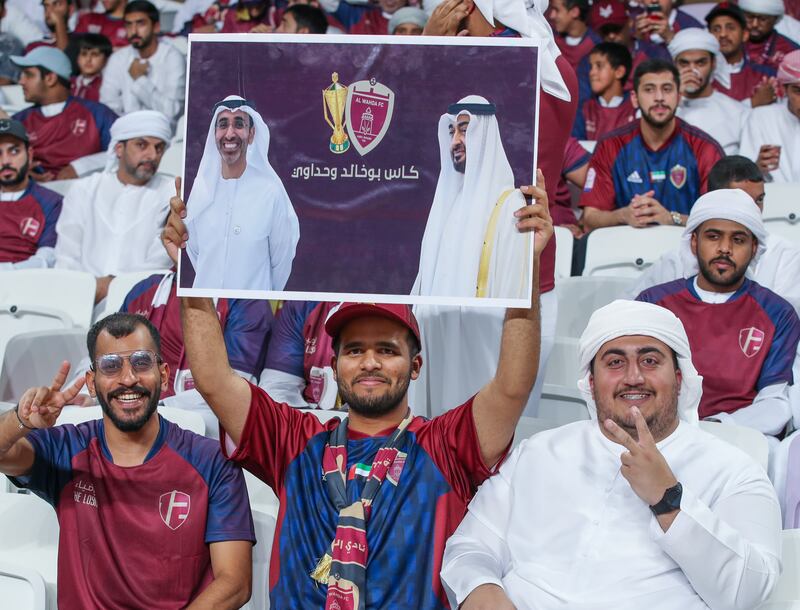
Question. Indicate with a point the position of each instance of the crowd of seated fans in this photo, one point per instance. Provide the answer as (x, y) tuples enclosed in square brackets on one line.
[(680, 119)]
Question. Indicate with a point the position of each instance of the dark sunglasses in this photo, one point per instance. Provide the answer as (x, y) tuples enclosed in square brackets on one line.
[(141, 361)]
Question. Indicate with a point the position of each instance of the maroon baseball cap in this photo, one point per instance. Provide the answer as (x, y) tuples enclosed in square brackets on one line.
[(346, 312), (728, 9), (608, 12)]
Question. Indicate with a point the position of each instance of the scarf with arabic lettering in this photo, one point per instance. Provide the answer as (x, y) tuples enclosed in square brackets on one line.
[(344, 567)]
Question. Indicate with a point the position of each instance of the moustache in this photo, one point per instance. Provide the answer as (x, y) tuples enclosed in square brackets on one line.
[(371, 376), (723, 259)]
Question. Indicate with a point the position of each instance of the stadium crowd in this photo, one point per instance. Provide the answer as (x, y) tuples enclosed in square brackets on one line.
[(666, 116)]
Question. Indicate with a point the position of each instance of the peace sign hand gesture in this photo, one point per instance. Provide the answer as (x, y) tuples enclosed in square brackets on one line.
[(643, 465), (40, 407)]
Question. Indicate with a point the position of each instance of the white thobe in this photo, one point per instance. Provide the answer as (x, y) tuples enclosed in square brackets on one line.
[(107, 227), (163, 87), (790, 27), (246, 239), (774, 124), (560, 527), (720, 116), (20, 26)]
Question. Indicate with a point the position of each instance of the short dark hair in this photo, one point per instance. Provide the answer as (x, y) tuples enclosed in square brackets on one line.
[(91, 41), (735, 168), (64, 82), (617, 55), (583, 7), (118, 325), (310, 17), (413, 345), (143, 6), (655, 66)]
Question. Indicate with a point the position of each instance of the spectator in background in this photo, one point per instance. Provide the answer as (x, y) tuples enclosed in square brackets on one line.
[(58, 15), (653, 170), (110, 24), (408, 21), (659, 26), (298, 367), (256, 16), (749, 82), (765, 45), (148, 74), (28, 212), (112, 219), (18, 24), (610, 106), (302, 19), (95, 49), (9, 72), (361, 19), (572, 33), (771, 134), (574, 168), (696, 54), (777, 268), (61, 128), (744, 337)]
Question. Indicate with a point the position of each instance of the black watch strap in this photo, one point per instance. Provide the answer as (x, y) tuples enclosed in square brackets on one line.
[(670, 502)]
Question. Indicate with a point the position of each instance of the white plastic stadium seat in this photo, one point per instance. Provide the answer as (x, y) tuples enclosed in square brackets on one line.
[(579, 297), (561, 402), (180, 42), (22, 588), (60, 186), (626, 251), (117, 291), (782, 210), (32, 547), (32, 359), (14, 98), (528, 426), (180, 135), (564, 245), (16, 319), (261, 495), (749, 440), (265, 532), (172, 161), (188, 420), (69, 291), (786, 595)]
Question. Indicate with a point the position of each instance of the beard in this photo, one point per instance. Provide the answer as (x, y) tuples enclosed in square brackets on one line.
[(714, 278), (22, 173), (659, 422), (142, 171), (658, 124), (130, 425), (375, 406)]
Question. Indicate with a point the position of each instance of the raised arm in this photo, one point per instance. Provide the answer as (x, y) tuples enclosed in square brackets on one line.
[(498, 406), (226, 393)]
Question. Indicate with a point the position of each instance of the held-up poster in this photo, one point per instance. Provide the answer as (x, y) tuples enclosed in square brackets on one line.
[(375, 169)]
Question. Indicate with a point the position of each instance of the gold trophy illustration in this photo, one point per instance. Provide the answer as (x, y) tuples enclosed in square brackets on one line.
[(333, 106)]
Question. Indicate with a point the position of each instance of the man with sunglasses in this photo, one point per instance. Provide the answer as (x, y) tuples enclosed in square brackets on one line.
[(182, 532)]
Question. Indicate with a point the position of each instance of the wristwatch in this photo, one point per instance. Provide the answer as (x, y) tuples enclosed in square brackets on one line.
[(676, 219), (671, 500)]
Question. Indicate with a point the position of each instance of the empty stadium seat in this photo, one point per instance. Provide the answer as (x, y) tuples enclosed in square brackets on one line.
[(580, 297), (63, 289), (188, 420), (265, 531), (626, 251), (564, 246), (16, 319), (261, 495), (22, 588), (782, 210), (117, 291), (749, 440), (33, 358), (172, 161), (528, 426), (32, 547), (786, 595)]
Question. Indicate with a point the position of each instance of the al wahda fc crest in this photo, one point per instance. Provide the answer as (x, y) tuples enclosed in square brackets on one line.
[(368, 114)]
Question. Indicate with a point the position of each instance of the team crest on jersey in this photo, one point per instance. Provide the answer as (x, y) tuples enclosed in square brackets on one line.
[(79, 127), (751, 341), (677, 175), (605, 11), (29, 227), (368, 113), (173, 507)]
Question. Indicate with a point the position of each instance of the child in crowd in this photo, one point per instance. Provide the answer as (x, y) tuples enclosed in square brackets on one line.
[(95, 50), (610, 106)]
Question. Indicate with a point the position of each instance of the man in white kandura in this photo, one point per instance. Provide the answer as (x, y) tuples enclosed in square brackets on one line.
[(636, 508), (471, 247), (243, 230), (111, 221)]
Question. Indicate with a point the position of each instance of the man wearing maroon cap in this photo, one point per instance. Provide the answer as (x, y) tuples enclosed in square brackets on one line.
[(367, 504)]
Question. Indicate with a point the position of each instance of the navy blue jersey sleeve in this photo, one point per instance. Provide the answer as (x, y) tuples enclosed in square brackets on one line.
[(579, 126), (246, 333), (104, 117), (52, 467), (350, 14), (777, 367), (287, 344), (50, 202)]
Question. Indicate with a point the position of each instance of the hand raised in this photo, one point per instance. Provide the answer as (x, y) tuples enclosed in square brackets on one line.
[(40, 407), (174, 235), (536, 216)]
